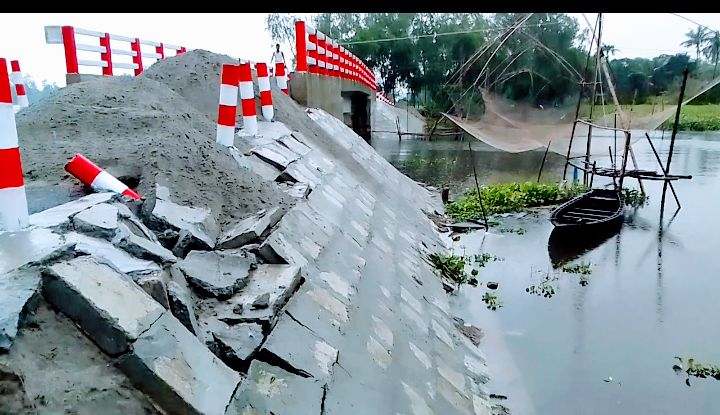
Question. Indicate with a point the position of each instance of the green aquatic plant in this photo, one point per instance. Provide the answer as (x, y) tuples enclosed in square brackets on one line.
[(519, 231), (633, 197), (691, 367), (583, 268), (484, 258), (492, 301), (451, 267), (511, 197)]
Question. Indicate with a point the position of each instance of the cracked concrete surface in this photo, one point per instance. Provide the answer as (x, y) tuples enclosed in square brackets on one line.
[(323, 306)]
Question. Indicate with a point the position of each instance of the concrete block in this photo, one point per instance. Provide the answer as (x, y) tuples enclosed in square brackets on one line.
[(269, 389), (274, 282), (294, 145), (250, 228), (217, 274), (60, 215), (32, 245), (18, 297), (155, 287), (107, 253), (181, 300), (142, 247), (108, 306), (198, 221), (100, 221), (276, 154), (235, 343), (176, 370)]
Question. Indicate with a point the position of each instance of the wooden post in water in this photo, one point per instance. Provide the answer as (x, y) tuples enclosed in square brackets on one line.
[(477, 185), (672, 138), (577, 108), (542, 164)]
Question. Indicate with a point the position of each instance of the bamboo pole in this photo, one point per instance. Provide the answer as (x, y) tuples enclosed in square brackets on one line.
[(657, 157), (672, 138), (477, 185), (542, 164)]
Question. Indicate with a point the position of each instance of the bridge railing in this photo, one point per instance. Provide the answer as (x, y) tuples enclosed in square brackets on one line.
[(318, 54), (111, 48)]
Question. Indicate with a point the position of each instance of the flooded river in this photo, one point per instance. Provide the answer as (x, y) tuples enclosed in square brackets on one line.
[(603, 343)]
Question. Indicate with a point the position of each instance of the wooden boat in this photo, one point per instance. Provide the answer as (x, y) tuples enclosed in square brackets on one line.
[(598, 210)]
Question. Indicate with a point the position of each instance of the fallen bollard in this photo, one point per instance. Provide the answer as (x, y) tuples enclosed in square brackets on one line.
[(91, 175)]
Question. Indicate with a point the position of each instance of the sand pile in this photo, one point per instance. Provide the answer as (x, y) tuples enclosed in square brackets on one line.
[(138, 127)]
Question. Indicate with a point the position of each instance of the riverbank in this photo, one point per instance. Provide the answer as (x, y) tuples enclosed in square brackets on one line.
[(703, 117)]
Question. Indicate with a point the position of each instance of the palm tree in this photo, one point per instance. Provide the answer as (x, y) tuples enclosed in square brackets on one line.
[(695, 38), (712, 48), (609, 50)]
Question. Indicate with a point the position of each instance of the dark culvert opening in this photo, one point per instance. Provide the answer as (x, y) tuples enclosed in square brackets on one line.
[(356, 113)]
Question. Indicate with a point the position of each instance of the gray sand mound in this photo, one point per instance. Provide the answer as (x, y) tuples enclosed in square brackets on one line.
[(138, 127)]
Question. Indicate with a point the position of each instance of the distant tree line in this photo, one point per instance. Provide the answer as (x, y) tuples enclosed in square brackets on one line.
[(541, 62)]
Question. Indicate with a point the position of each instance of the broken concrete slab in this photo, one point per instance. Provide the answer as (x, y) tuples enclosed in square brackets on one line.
[(277, 250), (107, 305), (235, 344), (20, 293), (60, 215), (31, 245), (100, 220), (269, 389), (299, 190), (175, 369), (181, 300), (299, 348), (107, 253), (250, 228), (299, 172), (155, 287), (217, 274), (142, 247), (266, 131), (183, 244), (198, 221), (252, 162), (274, 282), (133, 223), (294, 145), (276, 154)]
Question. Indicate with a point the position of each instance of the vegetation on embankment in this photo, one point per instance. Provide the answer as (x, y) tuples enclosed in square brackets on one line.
[(511, 197)]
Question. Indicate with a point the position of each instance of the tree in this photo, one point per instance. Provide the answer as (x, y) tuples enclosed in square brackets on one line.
[(695, 38), (609, 50), (282, 29), (712, 49)]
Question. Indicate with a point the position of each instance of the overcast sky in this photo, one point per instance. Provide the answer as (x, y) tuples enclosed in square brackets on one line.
[(244, 35)]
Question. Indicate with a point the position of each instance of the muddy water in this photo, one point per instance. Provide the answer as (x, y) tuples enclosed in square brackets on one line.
[(651, 296)]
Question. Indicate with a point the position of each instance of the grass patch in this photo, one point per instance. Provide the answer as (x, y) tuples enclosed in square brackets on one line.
[(697, 118), (511, 197), (484, 258)]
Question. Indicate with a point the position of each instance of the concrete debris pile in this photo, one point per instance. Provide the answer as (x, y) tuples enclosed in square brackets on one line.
[(283, 275)]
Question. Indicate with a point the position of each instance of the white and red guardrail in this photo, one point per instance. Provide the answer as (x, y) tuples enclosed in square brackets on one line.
[(320, 55), (116, 52), (13, 202), (381, 97)]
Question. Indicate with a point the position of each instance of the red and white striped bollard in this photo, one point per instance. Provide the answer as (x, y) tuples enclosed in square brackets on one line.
[(13, 201), (281, 78), (91, 175), (227, 109), (17, 78), (266, 105), (247, 96)]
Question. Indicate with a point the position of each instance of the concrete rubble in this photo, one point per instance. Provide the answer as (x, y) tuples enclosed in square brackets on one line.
[(292, 282)]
